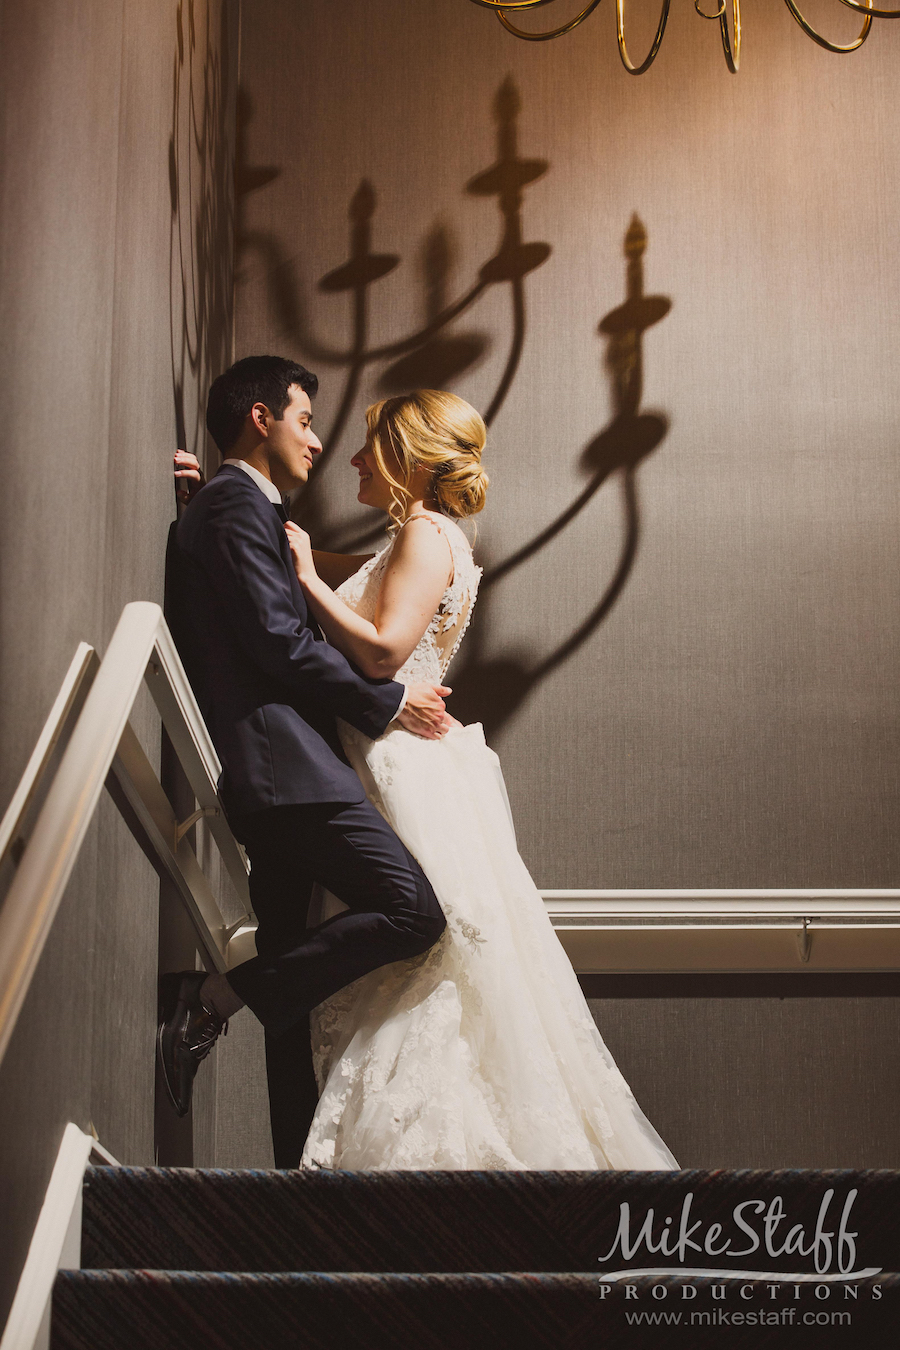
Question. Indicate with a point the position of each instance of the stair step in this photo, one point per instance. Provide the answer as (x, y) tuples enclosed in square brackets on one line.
[(181, 1310), (176, 1219)]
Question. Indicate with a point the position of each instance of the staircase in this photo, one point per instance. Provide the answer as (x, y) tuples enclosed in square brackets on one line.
[(182, 1259)]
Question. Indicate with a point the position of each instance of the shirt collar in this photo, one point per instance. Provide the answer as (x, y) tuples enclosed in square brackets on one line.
[(264, 484)]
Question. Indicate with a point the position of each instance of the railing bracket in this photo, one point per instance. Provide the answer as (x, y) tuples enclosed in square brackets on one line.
[(804, 942), (202, 813)]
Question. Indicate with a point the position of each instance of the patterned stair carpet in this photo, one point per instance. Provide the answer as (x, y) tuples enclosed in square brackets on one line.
[(187, 1219), (223, 1259), (181, 1310)]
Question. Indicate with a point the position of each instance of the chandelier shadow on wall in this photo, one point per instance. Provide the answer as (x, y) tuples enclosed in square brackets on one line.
[(731, 34)]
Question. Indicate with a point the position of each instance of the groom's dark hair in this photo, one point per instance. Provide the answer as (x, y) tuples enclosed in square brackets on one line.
[(254, 379)]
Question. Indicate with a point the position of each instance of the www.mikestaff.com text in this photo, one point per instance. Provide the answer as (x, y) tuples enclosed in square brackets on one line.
[(784, 1304), (719, 1317)]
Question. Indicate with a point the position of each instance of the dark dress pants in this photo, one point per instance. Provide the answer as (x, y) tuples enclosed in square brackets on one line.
[(393, 914)]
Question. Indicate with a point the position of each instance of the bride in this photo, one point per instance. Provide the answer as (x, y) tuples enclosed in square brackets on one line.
[(481, 1053)]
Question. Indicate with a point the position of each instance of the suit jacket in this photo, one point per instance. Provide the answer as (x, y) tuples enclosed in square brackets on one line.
[(269, 688)]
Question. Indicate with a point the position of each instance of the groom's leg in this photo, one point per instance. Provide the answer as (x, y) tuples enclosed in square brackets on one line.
[(393, 911), (293, 1093), (280, 892)]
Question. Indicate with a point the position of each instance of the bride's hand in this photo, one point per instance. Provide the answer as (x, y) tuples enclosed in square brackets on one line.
[(301, 552), (188, 474)]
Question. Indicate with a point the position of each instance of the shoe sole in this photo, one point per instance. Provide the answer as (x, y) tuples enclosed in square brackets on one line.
[(169, 985)]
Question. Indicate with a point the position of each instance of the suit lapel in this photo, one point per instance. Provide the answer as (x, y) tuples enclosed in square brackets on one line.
[(280, 516)]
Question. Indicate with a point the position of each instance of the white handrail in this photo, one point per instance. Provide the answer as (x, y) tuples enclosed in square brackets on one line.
[(55, 1243), (66, 706), (696, 931), (103, 740), (174, 698), (704, 931), (772, 901)]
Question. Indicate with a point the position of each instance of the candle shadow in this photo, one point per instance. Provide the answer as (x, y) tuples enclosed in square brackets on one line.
[(491, 688)]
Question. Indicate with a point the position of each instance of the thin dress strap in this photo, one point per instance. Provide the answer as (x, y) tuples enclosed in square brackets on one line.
[(422, 515), (439, 526)]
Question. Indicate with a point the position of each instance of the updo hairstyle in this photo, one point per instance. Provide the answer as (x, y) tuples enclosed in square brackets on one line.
[(433, 430)]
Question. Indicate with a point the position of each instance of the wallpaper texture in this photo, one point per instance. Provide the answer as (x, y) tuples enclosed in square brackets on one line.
[(115, 289)]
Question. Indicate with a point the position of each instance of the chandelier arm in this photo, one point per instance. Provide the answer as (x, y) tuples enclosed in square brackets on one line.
[(620, 34), (732, 53), (823, 42), (512, 4), (875, 13), (552, 33)]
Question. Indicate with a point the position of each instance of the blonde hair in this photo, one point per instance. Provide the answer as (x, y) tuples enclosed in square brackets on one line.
[(430, 429)]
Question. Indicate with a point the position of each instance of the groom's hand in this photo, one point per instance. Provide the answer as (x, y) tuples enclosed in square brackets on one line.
[(424, 712), (188, 475)]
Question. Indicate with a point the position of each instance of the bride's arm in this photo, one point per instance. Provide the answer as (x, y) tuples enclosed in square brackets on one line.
[(414, 582), (334, 568)]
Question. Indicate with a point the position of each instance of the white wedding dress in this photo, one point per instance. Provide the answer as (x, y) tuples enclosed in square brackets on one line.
[(481, 1053)]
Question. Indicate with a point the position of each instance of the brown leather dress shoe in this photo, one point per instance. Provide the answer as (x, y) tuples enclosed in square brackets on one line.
[(187, 1032)]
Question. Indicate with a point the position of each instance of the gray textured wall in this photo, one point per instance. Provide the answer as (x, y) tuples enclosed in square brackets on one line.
[(692, 682), (115, 215), (785, 1077), (732, 721)]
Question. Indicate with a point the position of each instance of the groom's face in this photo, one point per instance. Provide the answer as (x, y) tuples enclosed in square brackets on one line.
[(292, 443)]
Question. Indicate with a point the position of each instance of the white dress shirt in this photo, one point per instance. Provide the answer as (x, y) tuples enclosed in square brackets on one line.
[(268, 488), (265, 485)]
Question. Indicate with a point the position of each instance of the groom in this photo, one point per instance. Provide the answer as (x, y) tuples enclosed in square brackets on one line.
[(270, 691)]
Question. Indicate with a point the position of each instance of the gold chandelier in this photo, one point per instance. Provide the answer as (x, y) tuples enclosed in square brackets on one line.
[(731, 38)]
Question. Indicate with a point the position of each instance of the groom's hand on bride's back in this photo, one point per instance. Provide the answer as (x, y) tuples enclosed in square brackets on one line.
[(424, 712)]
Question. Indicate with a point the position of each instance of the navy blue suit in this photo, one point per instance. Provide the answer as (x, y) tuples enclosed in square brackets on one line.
[(270, 689)]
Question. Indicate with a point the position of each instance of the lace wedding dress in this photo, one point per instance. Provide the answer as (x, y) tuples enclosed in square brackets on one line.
[(481, 1053)]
